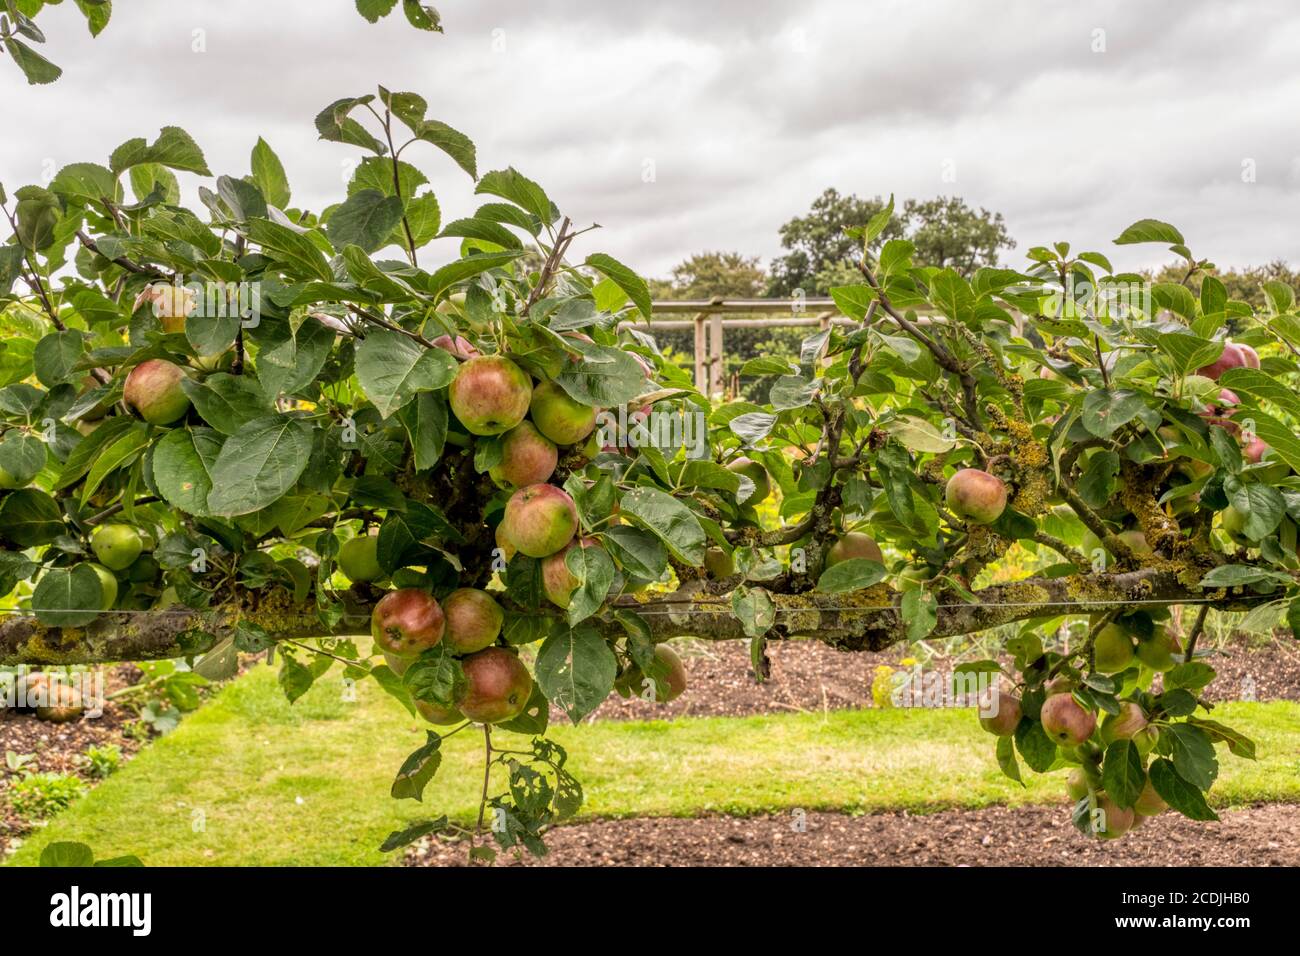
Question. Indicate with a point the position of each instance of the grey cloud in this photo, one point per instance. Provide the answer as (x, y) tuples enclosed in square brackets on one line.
[(746, 109)]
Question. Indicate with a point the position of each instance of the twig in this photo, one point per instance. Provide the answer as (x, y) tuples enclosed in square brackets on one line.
[(1197, 628), (562, 240), (390, 326)]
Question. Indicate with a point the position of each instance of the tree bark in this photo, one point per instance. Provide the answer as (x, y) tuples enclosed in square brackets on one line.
[(867, 620)]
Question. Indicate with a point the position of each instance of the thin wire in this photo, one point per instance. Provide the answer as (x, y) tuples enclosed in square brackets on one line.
[(661, 609)]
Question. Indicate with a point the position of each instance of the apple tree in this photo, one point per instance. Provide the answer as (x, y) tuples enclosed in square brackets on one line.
[(449, 457)]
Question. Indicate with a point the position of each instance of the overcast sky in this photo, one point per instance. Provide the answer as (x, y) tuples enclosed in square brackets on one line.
[(1071, 119)]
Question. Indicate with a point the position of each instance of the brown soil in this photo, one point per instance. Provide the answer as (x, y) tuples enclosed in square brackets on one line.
[(809, 676), (58, 748), (996, 836)]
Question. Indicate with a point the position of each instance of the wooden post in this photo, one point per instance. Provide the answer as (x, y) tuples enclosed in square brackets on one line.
[(701, 357), (715, 355)]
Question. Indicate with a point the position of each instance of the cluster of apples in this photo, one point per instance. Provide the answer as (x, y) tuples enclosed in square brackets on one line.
[(1082, 740), (497, 685), (492, 397)]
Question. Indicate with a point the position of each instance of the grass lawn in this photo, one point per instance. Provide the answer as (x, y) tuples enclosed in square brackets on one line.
[(247, 779)]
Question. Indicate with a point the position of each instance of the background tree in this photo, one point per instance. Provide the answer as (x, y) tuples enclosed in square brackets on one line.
[(823, 252), (708, 274)]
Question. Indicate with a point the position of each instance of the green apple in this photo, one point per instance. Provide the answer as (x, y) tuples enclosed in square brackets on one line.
[(116, 545)]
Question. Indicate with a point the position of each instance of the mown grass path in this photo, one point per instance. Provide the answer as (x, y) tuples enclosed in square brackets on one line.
[(249, 780)]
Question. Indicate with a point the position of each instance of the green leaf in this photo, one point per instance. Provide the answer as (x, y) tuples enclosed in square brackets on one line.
[(1098, 482), (952, 295), (174, 148), (35, 67), (56, 356), (97, 14), (519, 189), (1178, 793), (605, 377), (752, 427), (1035, 746), (212, 334), (334, 124), (1149, 230), (754, 608), (1263, 506), (1106, 410), (400, 838), (68, 598), (392, 368), (30, 518), (1122, 774), (425, 421), (852, 574), (667, 518), (433, 676), (418, 769), (287, 246), (66, 853), (121, 453), (1006, 751), (86, 183), (625, 279), (1193, 675), (920, 609), (917, 434), (1236, 575), (422, 17), (637, 552), (1239, 745), (853, 300), (22, 457), (295, 678), (482, 229), (258, 464), (452, 142), (182, 467), (792, 391), (1192, 753), (466, 267), (227, 402), (372, 10), (576, 670), (594, 572), (366, 219), (268, 174)]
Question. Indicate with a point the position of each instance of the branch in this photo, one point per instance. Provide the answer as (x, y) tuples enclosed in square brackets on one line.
[(859, 621), (122, 261)]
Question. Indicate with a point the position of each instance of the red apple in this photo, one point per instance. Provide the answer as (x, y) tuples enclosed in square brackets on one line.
[(406, 622), (153, 389), (496, 688), (540, 520), (527, 457), (976, 496), (490, 394)]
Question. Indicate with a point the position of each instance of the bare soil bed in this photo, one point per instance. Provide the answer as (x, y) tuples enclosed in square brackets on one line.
[(808, 676), (1267, 835)]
